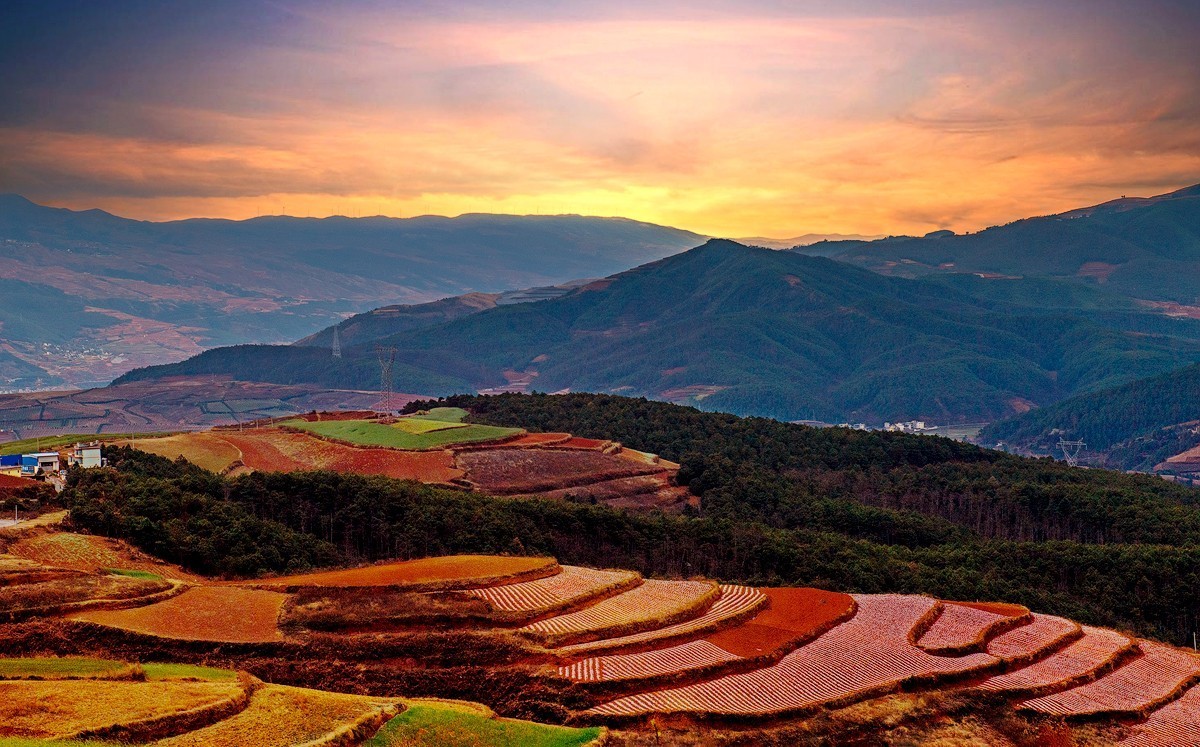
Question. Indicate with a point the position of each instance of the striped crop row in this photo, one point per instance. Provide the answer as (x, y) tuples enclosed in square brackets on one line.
[(685, 656), (572, 585), (1096, 648)]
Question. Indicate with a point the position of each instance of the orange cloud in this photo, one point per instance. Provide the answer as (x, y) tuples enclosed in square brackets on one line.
[(757, 124)]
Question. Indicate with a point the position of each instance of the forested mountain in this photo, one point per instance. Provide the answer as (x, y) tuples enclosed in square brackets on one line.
[(160, 292), (1144, 248), (1134, 426), (780, 504), (755, 331)]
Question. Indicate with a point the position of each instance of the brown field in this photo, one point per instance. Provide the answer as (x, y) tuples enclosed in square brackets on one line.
[(48, 595), (281, 716), (793, 615), (447, 571), (10, 481), (65, 708), (84, 552), (204, 613), (514, 471)]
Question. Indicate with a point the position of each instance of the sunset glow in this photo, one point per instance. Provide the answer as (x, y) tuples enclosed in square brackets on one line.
[(734, 119)]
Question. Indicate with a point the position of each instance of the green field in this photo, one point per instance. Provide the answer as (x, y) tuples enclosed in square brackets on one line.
[(447, 724), (445, 414), (134, 573), (158, 672), (421, 425), (367, 433)]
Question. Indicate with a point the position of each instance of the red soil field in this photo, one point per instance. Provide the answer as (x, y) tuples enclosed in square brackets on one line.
[(961, 627), (1080, 659), (794, 614), (653, 600), (204, 613), (1170, 726), (575, 442), (1132, 688), (685, 656), (534, 470), (538, 439), (284, 451), (869, 654), (733, 602), (996, 608), (570, 586), (456, 570)]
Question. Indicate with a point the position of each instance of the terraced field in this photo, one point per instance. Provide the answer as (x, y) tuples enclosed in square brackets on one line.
[(371, 433), (613, 648)]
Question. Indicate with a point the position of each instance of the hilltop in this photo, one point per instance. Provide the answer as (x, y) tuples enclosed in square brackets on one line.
[(755, 331), (85, 296), (1142, 248)]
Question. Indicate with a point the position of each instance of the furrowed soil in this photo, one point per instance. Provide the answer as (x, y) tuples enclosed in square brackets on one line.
[(505, 470), (793, 615)]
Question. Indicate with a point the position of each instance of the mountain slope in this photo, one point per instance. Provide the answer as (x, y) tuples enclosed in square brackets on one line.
[(1138, 425), (756, 331), (1144, 248), (160, 292)]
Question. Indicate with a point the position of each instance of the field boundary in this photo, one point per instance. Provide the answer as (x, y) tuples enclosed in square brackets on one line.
[(359, 730), (94, 605), (986, 634), (172, 724), (694, 609), (480, 582), (1126, 653)]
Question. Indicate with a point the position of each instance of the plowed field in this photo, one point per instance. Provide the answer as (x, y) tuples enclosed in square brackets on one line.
[(961, 627), (1042, 632), (685, 656), (1173, 725), (1132, 688), (793, 615), (1081, 658), (281, 716), (653, 601), (870, 653), (205, 449), (461, 571), (512, 471), (734, 602), (570, 586), (62, 709), (205, 613)]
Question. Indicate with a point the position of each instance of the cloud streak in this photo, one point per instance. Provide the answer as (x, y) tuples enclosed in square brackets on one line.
[(731, 119)]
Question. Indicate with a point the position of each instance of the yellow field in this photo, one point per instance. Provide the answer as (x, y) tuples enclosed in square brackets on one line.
[(281, 716), (207, 450), (64, 709)]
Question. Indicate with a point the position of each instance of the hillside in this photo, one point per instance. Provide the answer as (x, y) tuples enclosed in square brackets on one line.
[(754, 331), (1139, 425), (1142, 248), (85, 296), (832, 586)]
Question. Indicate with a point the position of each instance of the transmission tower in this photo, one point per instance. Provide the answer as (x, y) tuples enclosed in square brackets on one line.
[(337, 343), (387, 358), (1071, 450)]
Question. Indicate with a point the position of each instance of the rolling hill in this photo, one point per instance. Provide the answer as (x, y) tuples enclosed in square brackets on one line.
[(1143, 248), (755, 331), (86, 296)]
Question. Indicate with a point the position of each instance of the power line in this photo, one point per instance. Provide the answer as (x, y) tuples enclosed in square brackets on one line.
[(387, 359)]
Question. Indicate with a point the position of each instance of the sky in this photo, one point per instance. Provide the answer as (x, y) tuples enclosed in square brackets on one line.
[(748, 118)]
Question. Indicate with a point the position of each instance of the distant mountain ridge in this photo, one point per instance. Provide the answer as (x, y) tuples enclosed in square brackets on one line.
[(109, 293), (1144, 248), (764, 332)]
